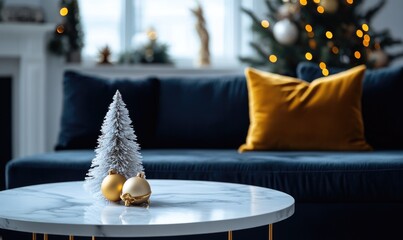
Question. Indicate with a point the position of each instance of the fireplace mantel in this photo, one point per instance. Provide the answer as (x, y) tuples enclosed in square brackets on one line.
[(27, 43)]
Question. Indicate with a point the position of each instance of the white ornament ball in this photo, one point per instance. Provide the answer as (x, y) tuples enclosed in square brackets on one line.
[(379, 58), (136, 190), (285, 32), (330, 6)]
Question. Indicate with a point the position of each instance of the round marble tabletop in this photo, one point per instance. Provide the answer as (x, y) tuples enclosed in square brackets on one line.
[(177, 208)]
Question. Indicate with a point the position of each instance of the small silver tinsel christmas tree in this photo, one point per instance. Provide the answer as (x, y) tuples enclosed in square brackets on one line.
[(117, 148)]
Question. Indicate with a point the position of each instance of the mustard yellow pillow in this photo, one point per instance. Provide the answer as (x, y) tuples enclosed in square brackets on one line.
[(290, 114)]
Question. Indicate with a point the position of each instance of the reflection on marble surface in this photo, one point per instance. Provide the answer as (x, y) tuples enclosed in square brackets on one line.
[(177, 208)]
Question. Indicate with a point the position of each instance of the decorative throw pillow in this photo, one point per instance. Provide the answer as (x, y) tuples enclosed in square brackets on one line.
[(199, 112), (290, 114), (381, 101), (85, 102)]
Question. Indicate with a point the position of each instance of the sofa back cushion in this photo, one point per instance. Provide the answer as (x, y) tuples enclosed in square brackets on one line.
[(85, 102), (202, 112), (381, 103)]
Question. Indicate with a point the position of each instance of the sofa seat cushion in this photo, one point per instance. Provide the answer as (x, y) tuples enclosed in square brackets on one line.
[(307, 176)]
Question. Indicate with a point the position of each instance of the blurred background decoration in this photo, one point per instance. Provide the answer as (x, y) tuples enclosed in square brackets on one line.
[(334, 33), (68, 37), (152, 51), (21, 13)]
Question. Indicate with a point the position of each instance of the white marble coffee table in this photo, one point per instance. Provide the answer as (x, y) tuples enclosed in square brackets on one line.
[(177, 208)]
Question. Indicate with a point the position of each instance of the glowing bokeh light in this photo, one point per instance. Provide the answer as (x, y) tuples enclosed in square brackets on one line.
[(303, 2), (273, 58), (308, 28), (60, 29), (265, 23), (359, 33), (308, 56), (320, 9), (335, 50), (63, 11), (365, 27), (152, 35), (312, 43)]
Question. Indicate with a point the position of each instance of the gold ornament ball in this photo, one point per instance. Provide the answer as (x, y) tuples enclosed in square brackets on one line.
[(112, 185), (136, 190), (330, 6)]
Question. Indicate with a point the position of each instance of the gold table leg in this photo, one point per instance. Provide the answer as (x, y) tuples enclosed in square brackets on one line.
[(46, 237), (229, 235), (93, 238), (271, 232)]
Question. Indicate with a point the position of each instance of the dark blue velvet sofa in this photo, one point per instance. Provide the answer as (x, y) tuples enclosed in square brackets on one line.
[(190, 128)]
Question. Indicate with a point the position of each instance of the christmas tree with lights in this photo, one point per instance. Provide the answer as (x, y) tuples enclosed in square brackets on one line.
[(68, 36), (332, 33)]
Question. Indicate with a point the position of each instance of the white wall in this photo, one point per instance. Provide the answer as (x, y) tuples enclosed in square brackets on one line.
[(389, 18), (54, 90)]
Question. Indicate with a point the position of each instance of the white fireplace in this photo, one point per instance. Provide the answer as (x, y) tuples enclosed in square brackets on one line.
[(27, 43)]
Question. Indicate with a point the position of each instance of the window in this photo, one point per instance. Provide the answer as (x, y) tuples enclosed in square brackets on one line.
[(101, 22), (122, 25)]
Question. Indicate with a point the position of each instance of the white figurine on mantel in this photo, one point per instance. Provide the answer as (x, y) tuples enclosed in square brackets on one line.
[(117, 149)]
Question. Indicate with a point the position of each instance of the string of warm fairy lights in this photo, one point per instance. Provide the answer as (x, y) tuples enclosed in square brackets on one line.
[(361, 32), (63, 12)]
